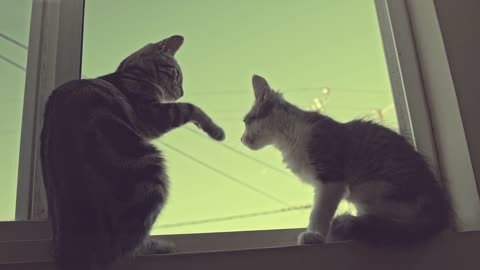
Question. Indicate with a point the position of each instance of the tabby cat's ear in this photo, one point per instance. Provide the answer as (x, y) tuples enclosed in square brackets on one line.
[(171, 44), (261, 88)]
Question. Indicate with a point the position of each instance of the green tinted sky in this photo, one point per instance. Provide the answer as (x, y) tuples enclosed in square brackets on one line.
[(15, 23), (300, 47)]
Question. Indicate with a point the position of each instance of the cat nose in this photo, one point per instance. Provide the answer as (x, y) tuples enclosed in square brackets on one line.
[(244, 139)]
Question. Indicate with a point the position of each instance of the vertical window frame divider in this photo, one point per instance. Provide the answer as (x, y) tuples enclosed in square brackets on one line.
[(54, 57), (453, 153), (422, 85)]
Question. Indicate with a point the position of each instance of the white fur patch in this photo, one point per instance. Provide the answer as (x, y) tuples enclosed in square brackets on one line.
[(369, 197), (295, 154)]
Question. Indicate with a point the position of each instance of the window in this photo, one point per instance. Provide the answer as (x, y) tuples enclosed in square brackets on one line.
[(324, 80), (15, 21), (324, 55), (412, 41)]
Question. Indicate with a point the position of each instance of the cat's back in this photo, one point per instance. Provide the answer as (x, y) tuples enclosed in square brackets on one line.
[(82, 96), (73, 111), (376, 150), (66, 107), (369, 138)]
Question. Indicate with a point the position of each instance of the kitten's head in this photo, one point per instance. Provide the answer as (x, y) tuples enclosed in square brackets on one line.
[(156, 63), (264, 121)]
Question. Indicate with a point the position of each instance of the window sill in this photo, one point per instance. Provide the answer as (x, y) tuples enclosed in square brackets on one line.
[(450, 251), (30, 241)]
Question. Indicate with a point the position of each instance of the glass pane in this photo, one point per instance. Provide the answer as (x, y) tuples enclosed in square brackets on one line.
[(15, 22), (323, 55)]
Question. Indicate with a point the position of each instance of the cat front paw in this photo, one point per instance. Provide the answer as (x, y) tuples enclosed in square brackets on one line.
[(310, 238), (215, 132)]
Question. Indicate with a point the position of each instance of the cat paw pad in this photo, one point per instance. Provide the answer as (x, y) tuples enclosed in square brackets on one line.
[(217, 133), (310, 238)]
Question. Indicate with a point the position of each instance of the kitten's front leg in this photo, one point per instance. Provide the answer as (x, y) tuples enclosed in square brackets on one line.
[(327, 198), (172, 115)]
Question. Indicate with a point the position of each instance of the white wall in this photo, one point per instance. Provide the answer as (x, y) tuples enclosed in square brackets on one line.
[(460, 25)]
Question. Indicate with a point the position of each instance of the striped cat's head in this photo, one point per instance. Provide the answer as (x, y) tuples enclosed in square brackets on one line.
[(155, 62), (265, 121)]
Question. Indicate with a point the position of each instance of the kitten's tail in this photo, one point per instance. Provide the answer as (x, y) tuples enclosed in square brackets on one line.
[(380, 230), (435, 218)]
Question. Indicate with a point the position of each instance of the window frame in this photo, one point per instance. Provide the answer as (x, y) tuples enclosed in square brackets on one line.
[(455, 164), (413, 57), (54, 57)]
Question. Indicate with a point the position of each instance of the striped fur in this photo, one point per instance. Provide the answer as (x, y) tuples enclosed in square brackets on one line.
[(392, 186), (105, 182)]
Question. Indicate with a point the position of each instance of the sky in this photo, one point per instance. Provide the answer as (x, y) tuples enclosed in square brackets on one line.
[(302, 48), (15, 24)]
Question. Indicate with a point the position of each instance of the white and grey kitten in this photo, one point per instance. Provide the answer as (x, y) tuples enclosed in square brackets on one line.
[(393, 188)]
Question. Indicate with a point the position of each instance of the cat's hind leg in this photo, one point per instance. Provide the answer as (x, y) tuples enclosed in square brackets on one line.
[(396, 225), (380, 218), (370, 228), (343, 228), (135, 185)]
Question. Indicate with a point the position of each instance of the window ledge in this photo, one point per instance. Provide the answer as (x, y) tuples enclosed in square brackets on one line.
[(450, 251)]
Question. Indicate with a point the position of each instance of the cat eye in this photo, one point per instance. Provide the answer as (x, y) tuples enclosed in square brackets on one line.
[(172, 73), (168, 70), (249, 119)]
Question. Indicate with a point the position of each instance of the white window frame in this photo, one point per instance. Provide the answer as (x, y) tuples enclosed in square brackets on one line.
[(54, 57), (419, 73), (421, 68)]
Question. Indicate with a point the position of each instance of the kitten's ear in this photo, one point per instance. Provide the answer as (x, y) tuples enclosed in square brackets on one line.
[(171, 44), (260, 87)]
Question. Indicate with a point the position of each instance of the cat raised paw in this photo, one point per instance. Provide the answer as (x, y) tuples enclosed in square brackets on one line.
[(215, 132), (208, 126), (310, 238)]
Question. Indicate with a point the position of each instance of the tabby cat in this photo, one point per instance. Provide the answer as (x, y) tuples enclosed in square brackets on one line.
[(105, 182), (397, 197)]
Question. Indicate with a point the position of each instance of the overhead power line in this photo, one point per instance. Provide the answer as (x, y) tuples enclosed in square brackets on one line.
[(236, 217), (14, 41), (200, 92), (232, 149), (231, 91), (218, 171), (227, 176), (11, 62)]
